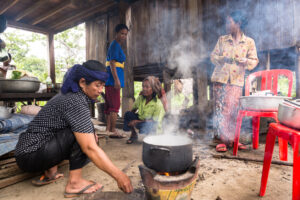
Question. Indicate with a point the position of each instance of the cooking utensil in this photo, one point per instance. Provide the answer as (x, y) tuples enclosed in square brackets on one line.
[(289, 115), (266, 103), (19, 86), (5, 112), (167, 153)]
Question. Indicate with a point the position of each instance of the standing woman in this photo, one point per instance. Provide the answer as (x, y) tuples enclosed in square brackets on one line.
[(233, 54), (115, 67)]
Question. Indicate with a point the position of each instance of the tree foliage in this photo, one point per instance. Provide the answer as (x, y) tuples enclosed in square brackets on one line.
[(69, 50)]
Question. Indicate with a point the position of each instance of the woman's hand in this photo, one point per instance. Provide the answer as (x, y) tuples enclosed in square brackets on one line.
[(242, 61), (134, 123), (117, 84), (124, 183), (227, 60)]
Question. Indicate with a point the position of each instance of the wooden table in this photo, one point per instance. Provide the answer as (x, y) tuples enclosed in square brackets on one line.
[(29, 97)]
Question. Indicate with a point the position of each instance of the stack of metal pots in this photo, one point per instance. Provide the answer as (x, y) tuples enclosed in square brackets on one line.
[(289, 113)]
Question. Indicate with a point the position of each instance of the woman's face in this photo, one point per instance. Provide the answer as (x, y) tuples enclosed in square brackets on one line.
[(147, 89), (93, 90), (231, 26), (122, 35)]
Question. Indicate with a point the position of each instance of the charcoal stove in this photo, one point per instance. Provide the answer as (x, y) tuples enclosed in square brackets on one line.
[(168, 186)]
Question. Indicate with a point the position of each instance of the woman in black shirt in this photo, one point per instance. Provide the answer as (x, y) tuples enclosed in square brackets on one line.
[(63, 130)]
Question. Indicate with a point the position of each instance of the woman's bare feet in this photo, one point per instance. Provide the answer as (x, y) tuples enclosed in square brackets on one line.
[(77, 186), (52, 173)]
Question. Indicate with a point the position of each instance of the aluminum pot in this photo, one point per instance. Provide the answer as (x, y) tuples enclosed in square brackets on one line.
[(266, 103), (167, 153), (19, 86), (289, 115)]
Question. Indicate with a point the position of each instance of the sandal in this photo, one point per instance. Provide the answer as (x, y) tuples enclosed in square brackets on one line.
[(117, 135), (132, 139), (221, 148), (43, 180), (242, 146), (77, 194)]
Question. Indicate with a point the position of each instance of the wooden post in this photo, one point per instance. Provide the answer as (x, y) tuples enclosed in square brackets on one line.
[(128, 90), (202, 95), (167, 86), (298, 71), (51, 56)]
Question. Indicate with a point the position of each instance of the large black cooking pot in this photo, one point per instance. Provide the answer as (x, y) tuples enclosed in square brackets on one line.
[(167, 153)]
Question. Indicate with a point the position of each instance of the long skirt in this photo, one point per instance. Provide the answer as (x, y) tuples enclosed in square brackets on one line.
[(226, 99)]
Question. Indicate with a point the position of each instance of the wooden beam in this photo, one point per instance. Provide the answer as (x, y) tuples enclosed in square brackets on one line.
[(52, 12), (27, 27), (7, 5), (202, 94), (30, 9), (51, 57), (84, 14)]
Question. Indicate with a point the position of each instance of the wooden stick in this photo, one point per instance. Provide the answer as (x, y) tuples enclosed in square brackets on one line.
[(251, 159), (128, 166)]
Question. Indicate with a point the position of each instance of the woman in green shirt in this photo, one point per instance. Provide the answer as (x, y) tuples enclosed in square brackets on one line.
[(147, 109)]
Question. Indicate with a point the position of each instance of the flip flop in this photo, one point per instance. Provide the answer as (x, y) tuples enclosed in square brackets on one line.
[(221, 148), (132, 140), (242, 146), (43, 180), (117, 136), (77, 194)]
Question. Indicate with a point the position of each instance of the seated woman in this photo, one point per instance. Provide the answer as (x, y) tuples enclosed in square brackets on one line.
[(147, 109), (63, 130)]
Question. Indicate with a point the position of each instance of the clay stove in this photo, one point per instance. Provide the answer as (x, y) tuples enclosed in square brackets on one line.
[(169, 187)]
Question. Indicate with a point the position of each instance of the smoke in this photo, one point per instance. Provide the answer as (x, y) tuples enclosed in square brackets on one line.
[(181, 38)]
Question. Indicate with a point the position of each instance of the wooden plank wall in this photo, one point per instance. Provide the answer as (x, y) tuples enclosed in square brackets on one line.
[(156, 25), (273, 24), (99, 34)]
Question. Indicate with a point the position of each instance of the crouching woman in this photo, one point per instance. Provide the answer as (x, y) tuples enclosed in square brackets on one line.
[(63, 130), (147, 110)]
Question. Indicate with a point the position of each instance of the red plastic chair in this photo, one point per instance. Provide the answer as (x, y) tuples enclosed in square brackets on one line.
[(269, 81), (289, 135)]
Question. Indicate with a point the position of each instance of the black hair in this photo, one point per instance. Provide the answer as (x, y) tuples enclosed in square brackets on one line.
[(2, 23), (239, 18), (94, 65), (120, 27)]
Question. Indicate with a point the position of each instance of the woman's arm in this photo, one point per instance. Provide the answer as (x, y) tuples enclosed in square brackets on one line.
[(252, 59), (112, 64), (89, 146), (216, 55)]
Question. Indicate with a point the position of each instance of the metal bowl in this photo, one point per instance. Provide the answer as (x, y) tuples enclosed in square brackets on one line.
[(289, 115), (266, 103), (19, 86)]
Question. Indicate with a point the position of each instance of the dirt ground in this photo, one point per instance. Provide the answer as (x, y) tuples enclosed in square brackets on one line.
[(220, 179)]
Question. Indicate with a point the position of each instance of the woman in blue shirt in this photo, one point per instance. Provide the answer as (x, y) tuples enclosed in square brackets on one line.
[(115, 67)]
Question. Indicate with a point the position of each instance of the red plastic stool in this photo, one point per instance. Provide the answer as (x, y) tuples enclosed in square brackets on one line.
[(269, 81), (289, 135), (255, 124)]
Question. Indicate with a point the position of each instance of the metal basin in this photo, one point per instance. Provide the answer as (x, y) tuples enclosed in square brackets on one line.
[(265, 103), (19, 86), (289, 115)]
